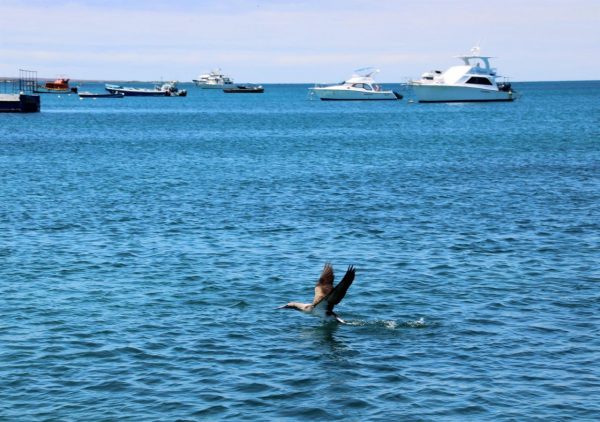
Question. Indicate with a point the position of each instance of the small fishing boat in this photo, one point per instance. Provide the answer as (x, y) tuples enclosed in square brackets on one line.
[(167, 89), (244, 89), (133, 91), (58, 86), (101, 95)]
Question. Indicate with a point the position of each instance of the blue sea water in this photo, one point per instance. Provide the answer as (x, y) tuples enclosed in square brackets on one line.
[(145, 242)]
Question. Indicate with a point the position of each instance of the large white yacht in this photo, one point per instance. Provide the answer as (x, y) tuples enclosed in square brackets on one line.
[(215, 79), (360, 86), (473, 81)]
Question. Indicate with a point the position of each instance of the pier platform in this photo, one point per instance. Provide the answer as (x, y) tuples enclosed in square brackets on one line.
[(19, 103)]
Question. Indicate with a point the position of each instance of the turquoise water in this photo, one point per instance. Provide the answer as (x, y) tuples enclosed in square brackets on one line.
[(145, 242)]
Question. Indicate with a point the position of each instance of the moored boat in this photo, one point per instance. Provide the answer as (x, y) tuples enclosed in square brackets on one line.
[(244, 89), (167, 89), (361, 86), (473, 81), (58, 86), (133, 91), (215, 79)]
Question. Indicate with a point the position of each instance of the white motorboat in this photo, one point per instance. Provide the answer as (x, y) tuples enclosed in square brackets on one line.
[(473, 81), (213, 80), (360, 86)]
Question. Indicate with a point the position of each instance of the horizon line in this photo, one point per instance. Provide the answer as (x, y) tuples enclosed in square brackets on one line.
[(74, 80)]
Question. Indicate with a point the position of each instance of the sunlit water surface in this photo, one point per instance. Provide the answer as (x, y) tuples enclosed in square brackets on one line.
[(145, 242)]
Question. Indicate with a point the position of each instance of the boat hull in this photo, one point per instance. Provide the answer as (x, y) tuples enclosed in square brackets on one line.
[(244, 90), (98, 95), (43, 90), (136, 92), (459, 94), (326, 94)]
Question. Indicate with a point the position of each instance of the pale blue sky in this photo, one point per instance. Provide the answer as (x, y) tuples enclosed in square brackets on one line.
[(293, 41)]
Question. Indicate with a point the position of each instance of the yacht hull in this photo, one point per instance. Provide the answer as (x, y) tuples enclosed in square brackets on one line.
[(212, 86), (352, 95), (459, 94)]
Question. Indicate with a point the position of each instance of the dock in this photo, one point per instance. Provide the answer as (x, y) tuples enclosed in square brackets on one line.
[(17, 96), (19, 103)]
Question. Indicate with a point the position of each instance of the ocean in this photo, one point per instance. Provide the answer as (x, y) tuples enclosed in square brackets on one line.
[(146, 242)]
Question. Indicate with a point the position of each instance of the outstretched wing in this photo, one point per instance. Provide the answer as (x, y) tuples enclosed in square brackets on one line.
[(338, 293), (324, 285)]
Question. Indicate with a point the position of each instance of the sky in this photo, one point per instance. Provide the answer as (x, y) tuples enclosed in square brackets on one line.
[(308, 41)]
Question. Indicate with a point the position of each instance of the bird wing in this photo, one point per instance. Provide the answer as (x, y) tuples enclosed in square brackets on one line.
[(324, 284), (338, 293)]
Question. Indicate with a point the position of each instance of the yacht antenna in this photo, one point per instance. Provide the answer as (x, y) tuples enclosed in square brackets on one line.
[(366, 71)]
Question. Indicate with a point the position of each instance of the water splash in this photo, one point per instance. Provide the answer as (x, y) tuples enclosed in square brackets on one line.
[(420, 323), (389, 324)]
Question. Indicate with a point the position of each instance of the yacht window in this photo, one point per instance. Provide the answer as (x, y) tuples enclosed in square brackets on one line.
[(357, 86), (367, 87), (479, 81)]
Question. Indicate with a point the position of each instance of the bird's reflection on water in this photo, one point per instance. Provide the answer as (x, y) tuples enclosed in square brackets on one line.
[(326, 337)]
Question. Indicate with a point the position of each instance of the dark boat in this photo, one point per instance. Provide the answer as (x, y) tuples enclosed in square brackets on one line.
[(244, 89), (100, 95)]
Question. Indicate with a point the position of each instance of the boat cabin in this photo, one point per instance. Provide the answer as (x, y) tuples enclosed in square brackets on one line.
[(60, 83), (362, 86)]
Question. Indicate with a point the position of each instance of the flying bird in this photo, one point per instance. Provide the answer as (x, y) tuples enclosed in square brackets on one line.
[(326, 296)]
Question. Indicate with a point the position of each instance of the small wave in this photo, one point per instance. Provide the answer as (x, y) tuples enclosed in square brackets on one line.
[(252, 387), (211, 411), (242, 304), (112, 386)]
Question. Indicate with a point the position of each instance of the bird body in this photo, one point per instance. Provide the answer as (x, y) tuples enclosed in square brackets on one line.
[(326, 296)]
